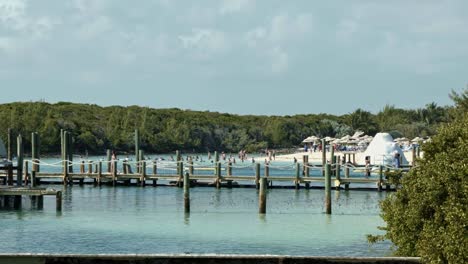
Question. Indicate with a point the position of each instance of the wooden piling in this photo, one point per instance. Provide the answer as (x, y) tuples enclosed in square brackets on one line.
[(257, 175), (33, 179), (180, 172), (218, 175), (191, 169), (90, 166), (155, 172), (58, 201), (137, 150), (19, 159), (338, 176), (186, 193), (26, 172), (82, 167), (262, 196), (328, 205), (229, 169), (347, 176), (297, 181), (143, 173), (40, 201), (70, 150), (306, 169), (267, 174), (324, 156), (99, 173), (35, 151), (10, 174), (66, 176), (114, 173), (10, 144), (109, 157), (413, 162)]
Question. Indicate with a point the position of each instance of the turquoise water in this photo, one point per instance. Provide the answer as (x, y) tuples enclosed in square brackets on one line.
[(151, 220)]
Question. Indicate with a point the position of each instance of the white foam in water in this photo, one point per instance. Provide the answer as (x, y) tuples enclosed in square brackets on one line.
[(382, 148)]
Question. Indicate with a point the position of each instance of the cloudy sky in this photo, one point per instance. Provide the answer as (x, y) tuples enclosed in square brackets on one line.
[(238, 56)]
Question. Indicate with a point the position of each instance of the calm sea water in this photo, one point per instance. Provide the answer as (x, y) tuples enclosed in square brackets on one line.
[(152, 220)]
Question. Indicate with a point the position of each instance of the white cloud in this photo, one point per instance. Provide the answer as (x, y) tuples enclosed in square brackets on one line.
[(233, 6), (95, 27), (284, 27), (206, 40), (12, 14), (279, 60)]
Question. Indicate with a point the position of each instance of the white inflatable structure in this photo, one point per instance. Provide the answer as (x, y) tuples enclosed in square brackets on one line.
[(382, 149)]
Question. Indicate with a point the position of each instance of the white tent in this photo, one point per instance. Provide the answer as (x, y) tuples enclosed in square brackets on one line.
[(381, 150), (3, 153)]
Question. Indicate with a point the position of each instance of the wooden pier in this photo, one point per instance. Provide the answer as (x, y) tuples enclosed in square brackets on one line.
[(15, 194), (31, 173)]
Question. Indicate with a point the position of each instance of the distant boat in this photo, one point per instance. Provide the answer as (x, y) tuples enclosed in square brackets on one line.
[(3, 153)]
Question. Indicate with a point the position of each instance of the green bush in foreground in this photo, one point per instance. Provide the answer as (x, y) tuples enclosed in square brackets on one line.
[(427, 216)]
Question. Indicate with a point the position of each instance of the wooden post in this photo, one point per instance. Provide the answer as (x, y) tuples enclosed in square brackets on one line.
[(354, 158), (216, 154), (297, 181), (218, 175), (82, 165), (137, 150), (33, 179), (324, 156), (114, 173), (332, 154), (10, 144), (141, 158), (17, 202), (346, 176), (109, 157), (90, 166), (338, 176), (124, 167), (191, 171), (58, 201), (40, 201), (180, 166), (155, 172), (70, 149), (262, 196), (328, 205), (267, 174), (143, 173), (379, 184), (418, 151), (306, 170), (66, 176), (229, 169), (178, 159), (413, 162), (34, 151), (99, 173), (186, 193), (10, 174), (19, 159), (257, 175), (26, 172)]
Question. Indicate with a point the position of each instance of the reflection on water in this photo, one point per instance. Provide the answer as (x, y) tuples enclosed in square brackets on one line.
[(152, 220)]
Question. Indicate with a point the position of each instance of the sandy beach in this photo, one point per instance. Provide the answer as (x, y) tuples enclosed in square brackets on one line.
[(316, 157)]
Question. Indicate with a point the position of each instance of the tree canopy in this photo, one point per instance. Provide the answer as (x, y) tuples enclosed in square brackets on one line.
[(95, 128), (427, 217)]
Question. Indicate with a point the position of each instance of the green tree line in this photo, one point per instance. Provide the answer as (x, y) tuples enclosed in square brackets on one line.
[(95, 128)]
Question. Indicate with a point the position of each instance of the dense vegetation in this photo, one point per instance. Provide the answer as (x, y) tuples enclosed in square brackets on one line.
[(428, 215), (97, 128)]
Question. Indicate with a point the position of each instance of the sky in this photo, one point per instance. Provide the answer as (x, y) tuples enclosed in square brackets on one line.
[(270, 57)]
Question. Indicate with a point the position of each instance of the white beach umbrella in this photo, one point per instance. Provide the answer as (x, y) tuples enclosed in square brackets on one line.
[(310, 139), (357, 134)]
